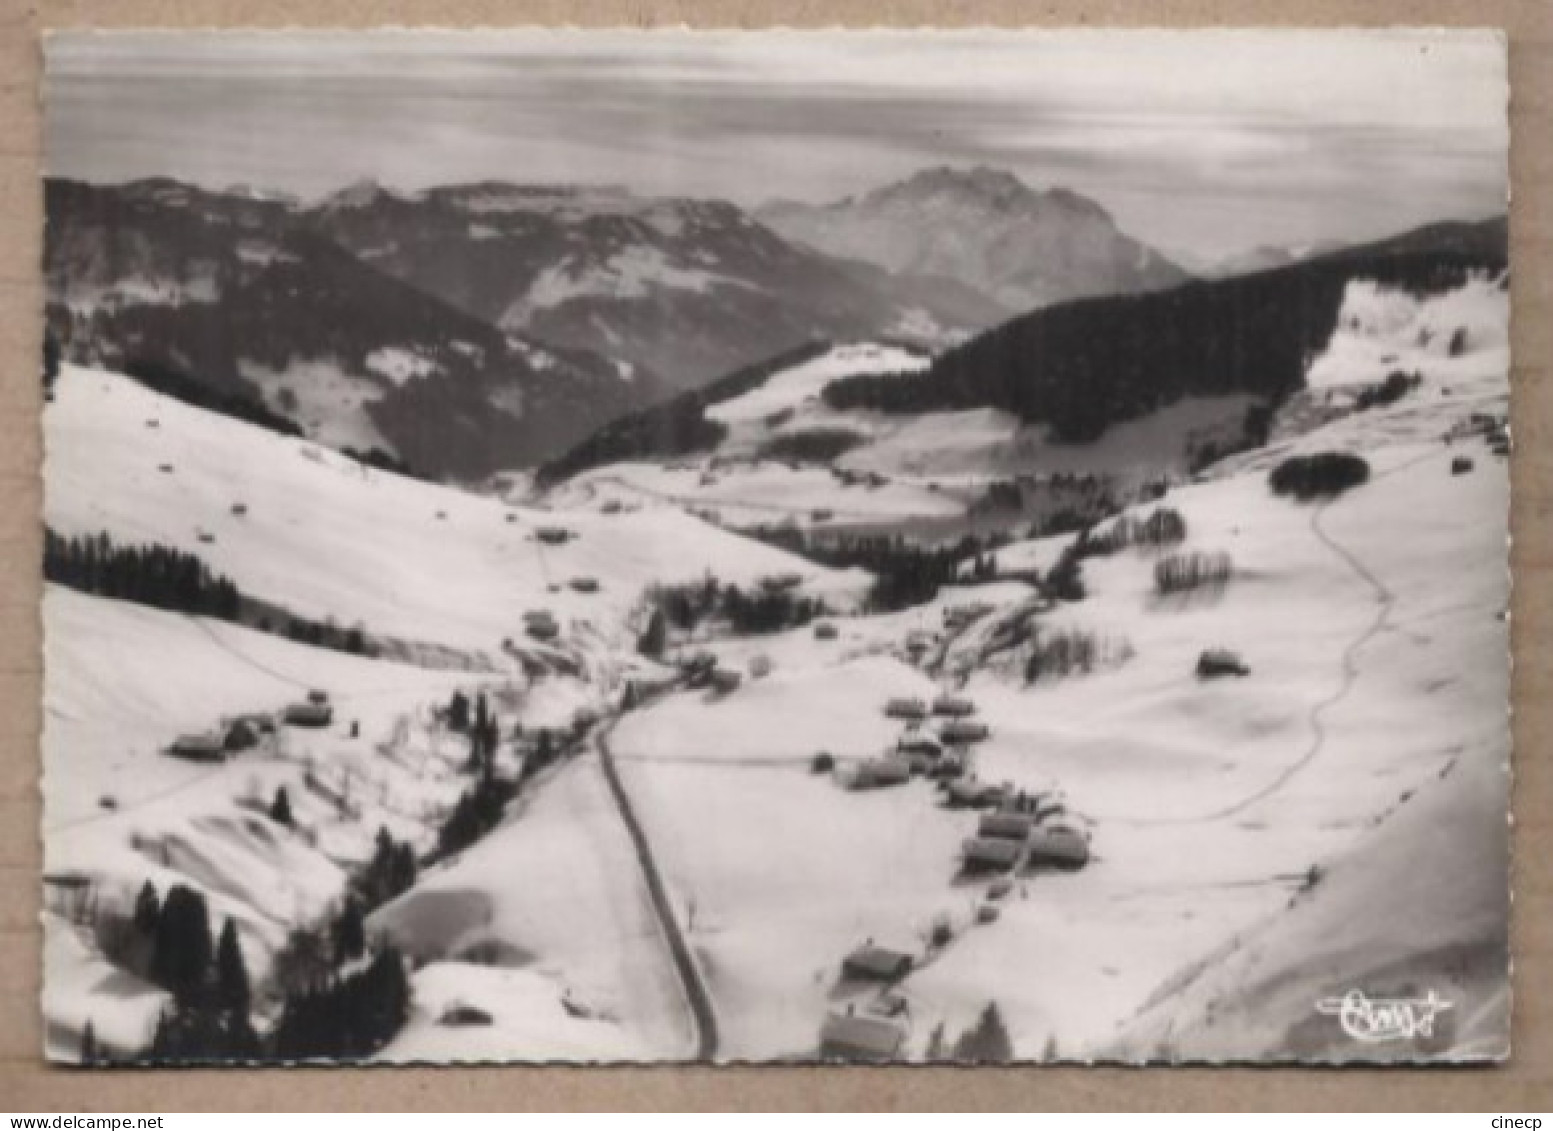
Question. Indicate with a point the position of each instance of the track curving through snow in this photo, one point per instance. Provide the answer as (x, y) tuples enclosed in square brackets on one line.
[(1385, 600)]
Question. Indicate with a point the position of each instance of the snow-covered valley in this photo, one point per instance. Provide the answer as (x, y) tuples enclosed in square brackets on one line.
[(682, 866)]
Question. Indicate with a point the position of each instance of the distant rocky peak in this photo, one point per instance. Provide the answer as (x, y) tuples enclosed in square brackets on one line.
[(363, 193)]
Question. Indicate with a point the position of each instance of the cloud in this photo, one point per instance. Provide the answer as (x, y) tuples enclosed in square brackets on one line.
[(1185, 136)]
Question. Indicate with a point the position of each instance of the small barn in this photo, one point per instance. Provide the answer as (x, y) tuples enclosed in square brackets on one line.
[(198, 748), (904, 707), (316, 715), (948, 768), (953, 706), (924, 745), (1059, 846), (585, 584), (1217, 662), (990, 854), (963, 730), (241, 734), (826, 630), (725, 679), (553, 535), (1009, 826), (70, 895), (873, 963), (972, 794), (855, 1037), (879, 772), (541, 625), (317, 696)]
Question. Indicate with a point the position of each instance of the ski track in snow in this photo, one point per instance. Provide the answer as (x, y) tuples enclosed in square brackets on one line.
[(1385, 602)]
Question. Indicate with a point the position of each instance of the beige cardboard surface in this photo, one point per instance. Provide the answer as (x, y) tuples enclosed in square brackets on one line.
[(26, 1084)]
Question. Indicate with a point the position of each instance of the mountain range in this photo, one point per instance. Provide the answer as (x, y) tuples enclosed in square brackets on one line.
[(987, 229), (467, 329), (1079, 368), (246, 297)]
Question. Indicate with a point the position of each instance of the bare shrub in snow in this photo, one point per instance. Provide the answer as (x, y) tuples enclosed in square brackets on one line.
[(1165, 527), (1055, 655), (1196, 569)]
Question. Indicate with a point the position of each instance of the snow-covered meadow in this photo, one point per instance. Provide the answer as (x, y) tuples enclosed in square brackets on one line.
[(1332, 819)]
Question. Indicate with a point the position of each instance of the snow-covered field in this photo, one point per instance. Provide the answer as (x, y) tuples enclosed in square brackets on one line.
[(327, 537), (1375, 635), (1332, 820), (931, 466), (322, 536)]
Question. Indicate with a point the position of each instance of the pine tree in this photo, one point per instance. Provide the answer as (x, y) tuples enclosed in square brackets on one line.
[(91, 1053), (280, 808), (350, 934), (656, 637), (148, 909), (181, 954), (232, 987), (988, 1042), (935, 1044), (458, 712)]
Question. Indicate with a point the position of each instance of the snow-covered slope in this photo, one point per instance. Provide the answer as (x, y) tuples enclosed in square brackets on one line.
[(1333, 820), (123, 681), (241, 296), (443, 573), (929, 468), (326, 537)]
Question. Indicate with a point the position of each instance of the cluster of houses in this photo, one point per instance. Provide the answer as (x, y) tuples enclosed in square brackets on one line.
[(919, 753), (1018, 830), (1023, 831), (959, 726), (244, 732)]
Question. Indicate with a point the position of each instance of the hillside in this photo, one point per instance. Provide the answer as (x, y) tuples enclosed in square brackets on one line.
[(309, 530), (316, 529), (240, 296), (1083, 367), (1242, 830), (986, 229), (1253, 839)]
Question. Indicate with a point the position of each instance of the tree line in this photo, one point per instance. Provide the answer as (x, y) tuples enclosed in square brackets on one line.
[(158, 576), (1081, 366)]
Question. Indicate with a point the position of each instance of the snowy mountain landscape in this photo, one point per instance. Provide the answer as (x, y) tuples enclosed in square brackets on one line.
[(988, 229), (542, 619)]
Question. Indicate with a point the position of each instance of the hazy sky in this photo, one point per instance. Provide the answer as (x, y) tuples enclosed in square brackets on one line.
[(1208, 143)]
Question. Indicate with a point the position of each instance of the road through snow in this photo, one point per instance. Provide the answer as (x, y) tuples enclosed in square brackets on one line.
[(696, 994)]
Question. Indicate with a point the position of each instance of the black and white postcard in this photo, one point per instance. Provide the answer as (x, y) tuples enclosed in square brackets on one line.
[(775, 546)]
